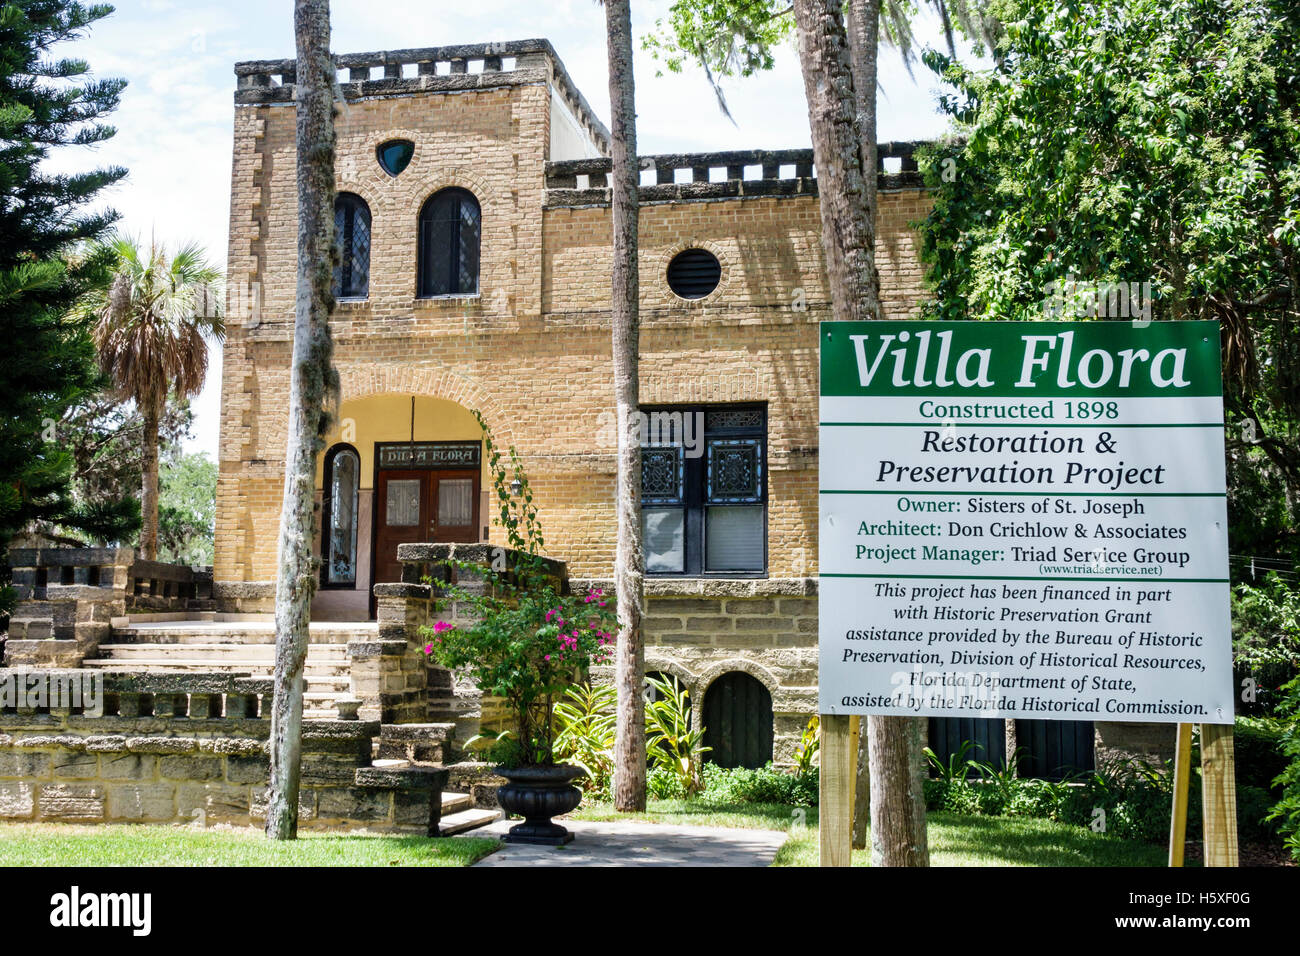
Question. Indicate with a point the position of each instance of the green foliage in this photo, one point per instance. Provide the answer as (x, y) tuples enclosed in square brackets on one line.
[(759, 785), (1142, 140), (1286, 812), (156, 319), (105, 435), (586, 723), (728, 38), (525, 641), (1134, 799), (187, 507), (957, 767), (1258, 745), (48, 362), (671, 742), (1266, 637), (805, 755), (663, 783), (586, 726)]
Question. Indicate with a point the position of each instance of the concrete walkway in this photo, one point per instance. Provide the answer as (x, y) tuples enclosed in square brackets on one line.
[(640, 844)]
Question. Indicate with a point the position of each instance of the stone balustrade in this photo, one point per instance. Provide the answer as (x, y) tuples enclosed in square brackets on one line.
[(68, 597), (193, 747), (720, 175)]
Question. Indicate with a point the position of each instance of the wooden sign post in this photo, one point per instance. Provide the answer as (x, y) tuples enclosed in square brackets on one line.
[(1218, 795), (1182, 772), (835, 811)]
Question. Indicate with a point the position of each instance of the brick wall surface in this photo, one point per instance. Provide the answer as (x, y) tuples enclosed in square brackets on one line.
[(532, 350)]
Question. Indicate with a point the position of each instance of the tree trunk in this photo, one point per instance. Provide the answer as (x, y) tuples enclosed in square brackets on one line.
[(848, 236), (848, 232), (896, 817), (313, 383), (1012, 744), (629, 562), (864, 40), (864, 59), (149, 484), (862, 789)]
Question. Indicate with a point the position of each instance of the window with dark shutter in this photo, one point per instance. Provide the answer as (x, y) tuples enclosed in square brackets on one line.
[(694, 273), (704, 490), (352, 235), (450, 230)]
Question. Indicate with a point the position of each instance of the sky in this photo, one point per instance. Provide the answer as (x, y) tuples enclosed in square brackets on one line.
[(176, 116)]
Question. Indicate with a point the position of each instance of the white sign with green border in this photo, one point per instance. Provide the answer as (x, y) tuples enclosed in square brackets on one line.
[(1024, 520)]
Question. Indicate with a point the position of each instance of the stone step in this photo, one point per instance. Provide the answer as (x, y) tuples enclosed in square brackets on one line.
[(236, 632), (258, 652), (315, 673), (465, 820), (453, 802)]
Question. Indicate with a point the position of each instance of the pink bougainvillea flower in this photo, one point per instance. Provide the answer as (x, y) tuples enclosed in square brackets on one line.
[(428, 648), (442, 626)]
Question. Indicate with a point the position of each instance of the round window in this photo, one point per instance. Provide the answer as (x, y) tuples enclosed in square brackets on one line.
[(694, 273), (395, 155)]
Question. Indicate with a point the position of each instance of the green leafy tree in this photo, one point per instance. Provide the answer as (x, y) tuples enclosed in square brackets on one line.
[(154, 326), (738, 38), (187, 508), (47, 363), (1142, 141), (105, 435)]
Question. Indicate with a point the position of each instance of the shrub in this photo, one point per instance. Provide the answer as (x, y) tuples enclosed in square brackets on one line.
[(671, 742), (1258, 747), (1286, 812), (585, 733), (663, 783), (760, 785)]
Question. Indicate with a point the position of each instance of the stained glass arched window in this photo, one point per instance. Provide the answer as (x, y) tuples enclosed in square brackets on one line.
[(450, 229), (352, 234), (339, 548)]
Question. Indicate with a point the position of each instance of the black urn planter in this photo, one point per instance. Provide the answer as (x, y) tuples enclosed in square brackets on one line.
[(537, 794)]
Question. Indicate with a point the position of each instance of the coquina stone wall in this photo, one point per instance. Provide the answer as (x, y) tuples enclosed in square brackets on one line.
[(193, 748)]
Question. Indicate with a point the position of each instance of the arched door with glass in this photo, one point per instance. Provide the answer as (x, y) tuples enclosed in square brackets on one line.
[(342, 490)]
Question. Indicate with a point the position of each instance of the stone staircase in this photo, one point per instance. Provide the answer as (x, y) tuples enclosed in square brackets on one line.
[(208, 643), (211, 644)]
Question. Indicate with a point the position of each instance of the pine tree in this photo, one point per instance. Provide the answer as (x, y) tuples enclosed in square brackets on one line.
[(48, 360)]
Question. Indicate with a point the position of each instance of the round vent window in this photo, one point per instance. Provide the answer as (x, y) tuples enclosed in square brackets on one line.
[(395, 155), (694, 273)]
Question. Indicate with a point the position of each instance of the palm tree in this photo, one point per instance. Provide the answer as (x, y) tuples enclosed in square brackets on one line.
[(152, 333)]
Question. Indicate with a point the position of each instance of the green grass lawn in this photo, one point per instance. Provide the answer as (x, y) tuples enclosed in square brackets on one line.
[(50, 844), (955, 840)]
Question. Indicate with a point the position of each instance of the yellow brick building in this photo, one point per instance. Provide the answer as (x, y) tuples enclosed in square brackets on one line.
[(476, 231)]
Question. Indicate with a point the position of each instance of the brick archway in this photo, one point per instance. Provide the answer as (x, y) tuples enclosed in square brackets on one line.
[(363, 380)]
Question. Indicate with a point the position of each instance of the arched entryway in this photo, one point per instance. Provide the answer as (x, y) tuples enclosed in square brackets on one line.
[(737, 716), (397, 468)]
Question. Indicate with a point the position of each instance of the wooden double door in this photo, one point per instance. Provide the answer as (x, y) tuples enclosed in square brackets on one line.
[(422, 506)]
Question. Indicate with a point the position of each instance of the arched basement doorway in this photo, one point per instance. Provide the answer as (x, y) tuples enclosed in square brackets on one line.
[(738, 721)]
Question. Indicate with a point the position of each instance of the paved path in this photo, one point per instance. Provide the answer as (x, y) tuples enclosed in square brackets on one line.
[(640, 844)]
